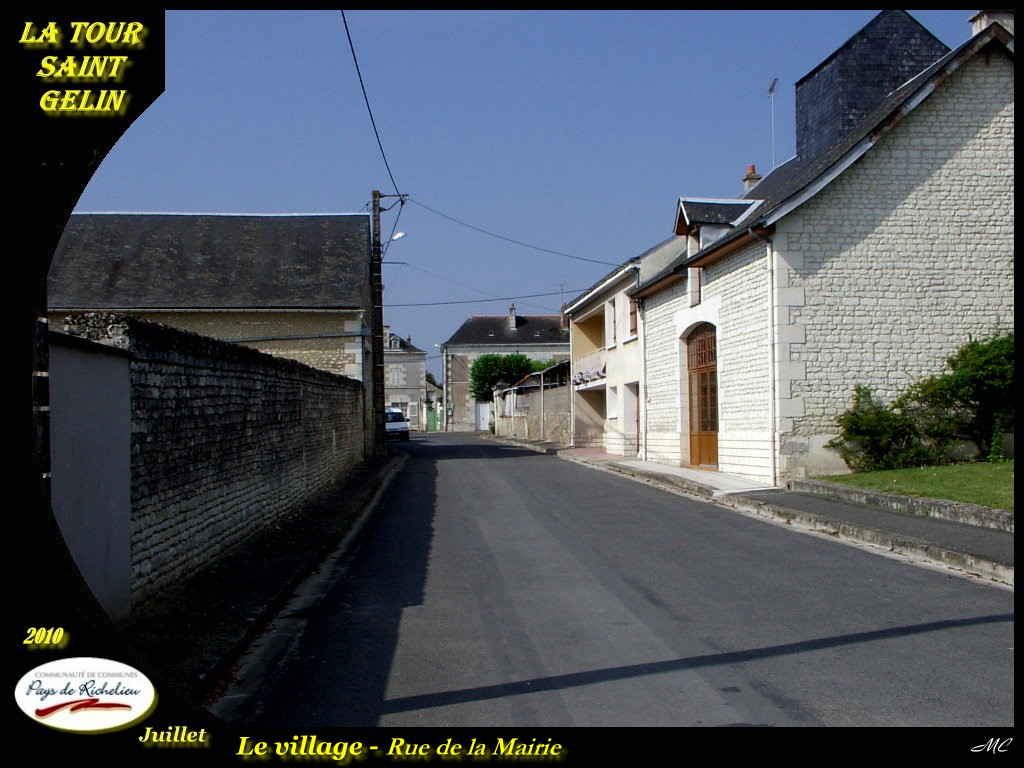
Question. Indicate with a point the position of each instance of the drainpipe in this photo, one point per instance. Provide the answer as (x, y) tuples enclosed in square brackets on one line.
[(542, 433), (641, 398), (772, 364)]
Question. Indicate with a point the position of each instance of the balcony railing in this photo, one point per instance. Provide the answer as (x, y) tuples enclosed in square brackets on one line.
[(589, 368)]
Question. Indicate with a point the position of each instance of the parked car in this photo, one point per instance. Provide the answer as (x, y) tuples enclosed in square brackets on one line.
[(396, 424)]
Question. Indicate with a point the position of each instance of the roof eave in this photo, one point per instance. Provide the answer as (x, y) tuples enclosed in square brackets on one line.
[(595, 292), (709, 255)]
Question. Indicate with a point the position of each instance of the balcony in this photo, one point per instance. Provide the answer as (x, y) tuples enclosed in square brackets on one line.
[(588, 372)]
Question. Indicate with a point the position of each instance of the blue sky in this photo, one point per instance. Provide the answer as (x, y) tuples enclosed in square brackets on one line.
[(575, 131)]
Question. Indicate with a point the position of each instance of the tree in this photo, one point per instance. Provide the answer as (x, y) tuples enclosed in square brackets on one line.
[(431, 379), (488, 370)]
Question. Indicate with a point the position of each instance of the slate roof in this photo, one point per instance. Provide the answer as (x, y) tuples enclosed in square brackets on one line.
[(404, 346), (798, 173), (701, 211), (211, 261), (796, 177), (834, 96), (482, 331)]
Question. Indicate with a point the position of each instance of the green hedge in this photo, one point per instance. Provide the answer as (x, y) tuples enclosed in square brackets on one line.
[(972, 401)]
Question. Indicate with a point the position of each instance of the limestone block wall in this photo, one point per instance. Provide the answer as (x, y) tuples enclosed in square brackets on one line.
[(901, 260), (525, 423), (734, 299), (662, 415), (739, 286), (225, 442), (332, 341)]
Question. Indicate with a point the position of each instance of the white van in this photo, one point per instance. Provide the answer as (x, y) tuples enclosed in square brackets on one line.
[(396, 425)]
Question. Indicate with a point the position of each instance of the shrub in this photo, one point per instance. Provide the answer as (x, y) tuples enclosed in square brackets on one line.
[(972, 401), (875, 436)]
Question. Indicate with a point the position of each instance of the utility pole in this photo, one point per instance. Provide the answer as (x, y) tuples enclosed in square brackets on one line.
[(380, 446)]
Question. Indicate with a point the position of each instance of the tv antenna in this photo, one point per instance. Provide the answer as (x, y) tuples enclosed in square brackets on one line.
[(771, 96)]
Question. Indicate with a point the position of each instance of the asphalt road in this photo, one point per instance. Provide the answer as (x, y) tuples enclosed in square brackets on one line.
[(501, 587)]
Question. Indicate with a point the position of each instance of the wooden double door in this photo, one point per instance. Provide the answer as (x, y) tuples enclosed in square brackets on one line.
[(702, 372)]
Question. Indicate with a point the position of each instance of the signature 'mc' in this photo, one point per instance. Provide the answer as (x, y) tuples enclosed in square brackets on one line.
[(993, 745)]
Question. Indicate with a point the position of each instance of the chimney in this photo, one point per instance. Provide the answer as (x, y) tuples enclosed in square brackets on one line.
[(982, 19), (751, 179), (512, 317), (565, 317), (834, 96)]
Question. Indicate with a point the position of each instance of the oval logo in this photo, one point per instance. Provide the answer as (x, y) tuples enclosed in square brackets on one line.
[(86, 695)]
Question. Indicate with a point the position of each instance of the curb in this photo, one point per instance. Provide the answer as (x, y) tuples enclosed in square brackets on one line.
[(940, 509), (900, 544)]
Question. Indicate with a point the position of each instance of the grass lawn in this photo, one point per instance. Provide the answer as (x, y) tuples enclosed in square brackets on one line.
[(988, 484)]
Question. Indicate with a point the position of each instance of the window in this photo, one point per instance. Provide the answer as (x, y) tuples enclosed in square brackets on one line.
[(632, 317)]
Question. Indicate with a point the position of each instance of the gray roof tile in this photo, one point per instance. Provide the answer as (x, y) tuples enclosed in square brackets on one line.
[(211, 261), (494, 330)]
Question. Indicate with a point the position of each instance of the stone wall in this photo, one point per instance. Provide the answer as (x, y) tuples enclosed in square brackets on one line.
[(525, 420), (663, 425), (225, 442), (334, 340)]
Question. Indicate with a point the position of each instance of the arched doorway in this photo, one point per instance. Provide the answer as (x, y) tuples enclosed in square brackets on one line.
[(702, 370)]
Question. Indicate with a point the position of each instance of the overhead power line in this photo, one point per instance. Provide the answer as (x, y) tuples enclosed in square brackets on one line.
[(451, 281), (367, 100), (475, 301), (509, 239)]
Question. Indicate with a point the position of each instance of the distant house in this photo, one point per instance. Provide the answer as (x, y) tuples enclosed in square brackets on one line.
[(295, 286), (434, 407), (541, 338), (405, 378), (884, 245)]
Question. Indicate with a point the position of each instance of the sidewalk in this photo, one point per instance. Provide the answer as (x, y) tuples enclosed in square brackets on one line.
[(964, 537)]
